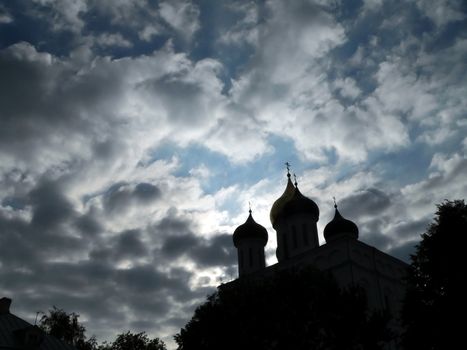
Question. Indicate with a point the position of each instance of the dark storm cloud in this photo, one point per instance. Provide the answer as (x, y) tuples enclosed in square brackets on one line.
[(146, 192), (100, 291), (47, 234), (49, 205), (28, 75), (188, 96), (175, 246), (94, 287), (411, 229), (121, 196), (128, 244), (16, 245), (366, 202), (143, 279), (88, 224), (171, 225), (179, 240), (147, 288), (46, 108), (217, 251), (117, 197)]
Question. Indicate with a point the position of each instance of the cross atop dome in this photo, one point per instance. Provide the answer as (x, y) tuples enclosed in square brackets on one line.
[(287, 165)]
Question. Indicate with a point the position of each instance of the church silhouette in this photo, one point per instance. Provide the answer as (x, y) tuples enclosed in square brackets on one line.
[(294, 217)]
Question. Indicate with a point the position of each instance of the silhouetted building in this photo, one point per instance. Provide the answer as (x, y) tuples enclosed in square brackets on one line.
[(17, 334), (294, 217)]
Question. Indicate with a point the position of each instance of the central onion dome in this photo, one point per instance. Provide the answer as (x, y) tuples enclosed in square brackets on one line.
[(340, 226), (299, 204), (292, 201), (250, 229), (280, 202)]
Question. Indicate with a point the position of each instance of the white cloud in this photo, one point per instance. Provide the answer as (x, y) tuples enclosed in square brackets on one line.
[(347, 87), (112, 39), (201, 171), (127, 105), (401, 91), (372, 5), (425, 93), (446, 181), (241, 138), (148, 32), (129, 12), (287, 89), (442, 12), (182, 15), (5, 16), (244, 30), (65, 13)]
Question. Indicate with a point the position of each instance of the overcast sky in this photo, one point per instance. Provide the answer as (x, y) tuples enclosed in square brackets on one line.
[(133, 134)]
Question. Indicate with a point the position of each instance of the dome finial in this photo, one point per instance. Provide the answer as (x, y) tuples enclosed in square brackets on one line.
[(295, 178), (249, 207), (287, 165), (335, 204)]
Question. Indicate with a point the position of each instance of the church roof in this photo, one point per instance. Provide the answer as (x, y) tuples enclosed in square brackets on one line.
[(250, 229)]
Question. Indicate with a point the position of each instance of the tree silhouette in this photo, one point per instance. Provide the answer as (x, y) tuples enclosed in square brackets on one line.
[(134, 341), (437, 282), (299, 309), (66, 327)]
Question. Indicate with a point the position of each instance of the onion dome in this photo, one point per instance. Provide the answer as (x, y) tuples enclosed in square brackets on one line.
[(299, 204), (250, 229), (340, 226), (279, 204)]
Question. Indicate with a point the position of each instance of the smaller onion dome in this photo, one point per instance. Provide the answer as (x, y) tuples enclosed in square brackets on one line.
[(340, 226), (250, 229)]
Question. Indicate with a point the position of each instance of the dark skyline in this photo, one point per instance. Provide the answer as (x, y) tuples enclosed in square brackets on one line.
[(133, 135)]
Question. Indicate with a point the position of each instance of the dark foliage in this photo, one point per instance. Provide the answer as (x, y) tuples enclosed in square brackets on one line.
[(435, 304), (134, 341), (66, 327), (289, 310)]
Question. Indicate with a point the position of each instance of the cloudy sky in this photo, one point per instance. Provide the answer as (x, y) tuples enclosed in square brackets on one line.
[(133, 134)]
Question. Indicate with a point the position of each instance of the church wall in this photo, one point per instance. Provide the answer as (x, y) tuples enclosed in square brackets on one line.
[(352, 261), (381, 273)]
